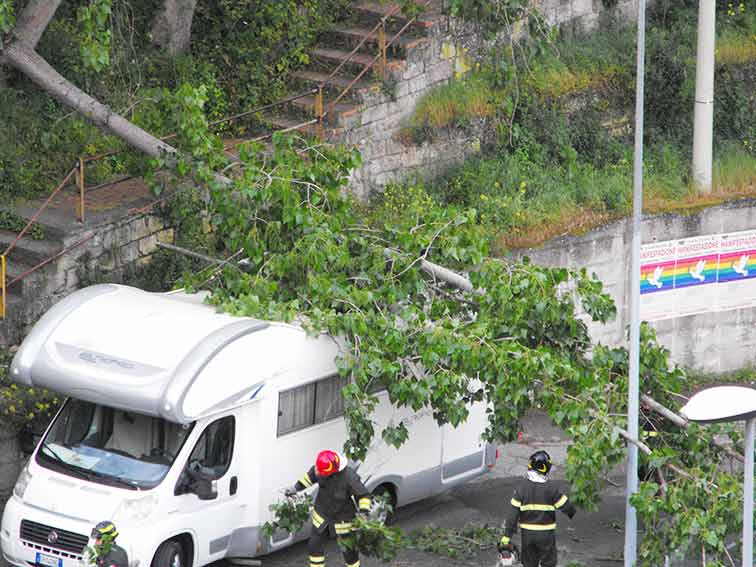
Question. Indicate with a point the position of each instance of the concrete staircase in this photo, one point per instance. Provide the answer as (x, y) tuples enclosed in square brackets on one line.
[(111, 206), (333, 49)]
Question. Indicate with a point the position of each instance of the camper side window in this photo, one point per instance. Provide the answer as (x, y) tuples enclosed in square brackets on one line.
[(215, 448), (310, 404)]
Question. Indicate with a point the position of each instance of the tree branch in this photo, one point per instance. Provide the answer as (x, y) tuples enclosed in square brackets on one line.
[(446, 275), (680, 421), (41, 73), (33, 21), (647, 451)]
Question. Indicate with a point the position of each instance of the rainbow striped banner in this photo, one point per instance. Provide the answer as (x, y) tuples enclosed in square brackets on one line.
[(702, 260), (658, 267)]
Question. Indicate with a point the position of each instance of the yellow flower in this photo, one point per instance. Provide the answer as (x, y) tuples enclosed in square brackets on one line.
[(12, 409)]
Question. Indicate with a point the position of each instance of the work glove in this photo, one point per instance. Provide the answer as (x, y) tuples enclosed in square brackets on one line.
[(504, 547), (289, 492)]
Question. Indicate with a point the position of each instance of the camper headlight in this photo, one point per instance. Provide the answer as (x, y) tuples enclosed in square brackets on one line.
[(135, 510), (23, 481)]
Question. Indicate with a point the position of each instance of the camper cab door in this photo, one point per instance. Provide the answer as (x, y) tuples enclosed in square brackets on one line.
[(207, 491)]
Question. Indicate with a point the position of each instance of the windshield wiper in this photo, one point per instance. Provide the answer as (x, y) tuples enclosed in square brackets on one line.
[(66, 465), (134, 485)]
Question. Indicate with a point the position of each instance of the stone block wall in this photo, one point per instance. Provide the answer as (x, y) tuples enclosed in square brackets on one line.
[(107, 253), (719, 340), (375, 129), (449, 50)]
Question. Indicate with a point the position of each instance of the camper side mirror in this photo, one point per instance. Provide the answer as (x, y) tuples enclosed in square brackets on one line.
[(26, 441)]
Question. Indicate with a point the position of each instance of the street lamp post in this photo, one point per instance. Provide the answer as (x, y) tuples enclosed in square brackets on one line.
[(633, 388), (732, 403)]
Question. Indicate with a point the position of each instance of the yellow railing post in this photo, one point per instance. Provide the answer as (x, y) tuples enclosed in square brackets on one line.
[(382, 50), (80, 184), (2, 286), (319, 111)]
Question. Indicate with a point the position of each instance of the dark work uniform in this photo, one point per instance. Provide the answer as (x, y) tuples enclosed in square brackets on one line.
[(116, 557), (533, 508), (335, 507)]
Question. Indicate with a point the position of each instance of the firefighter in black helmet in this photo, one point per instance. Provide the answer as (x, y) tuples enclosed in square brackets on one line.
[(533, 508), (107, 553)]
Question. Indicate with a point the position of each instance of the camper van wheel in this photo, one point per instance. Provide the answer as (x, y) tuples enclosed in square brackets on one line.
[(386, 491), (169, 554)]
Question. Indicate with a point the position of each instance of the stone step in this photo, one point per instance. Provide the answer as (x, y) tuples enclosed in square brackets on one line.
[(283, 122), (306, 105), (355, 63), (352, 35), (373, 12), (336, 83), (27, 250)]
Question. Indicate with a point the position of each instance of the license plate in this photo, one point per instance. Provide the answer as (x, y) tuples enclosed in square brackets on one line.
[(48, 560)]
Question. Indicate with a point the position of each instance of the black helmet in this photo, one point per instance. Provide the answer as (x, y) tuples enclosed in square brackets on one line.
[(540, 462), (105, 531)]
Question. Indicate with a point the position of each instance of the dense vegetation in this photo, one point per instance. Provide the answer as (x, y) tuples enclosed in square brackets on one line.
[(555, 119), (517, 337), (106, 49)]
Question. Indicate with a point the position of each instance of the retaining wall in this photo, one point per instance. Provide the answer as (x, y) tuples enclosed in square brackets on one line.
[(450, 49), (718, 339)]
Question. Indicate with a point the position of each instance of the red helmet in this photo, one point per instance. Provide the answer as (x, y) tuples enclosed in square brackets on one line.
[(327, 463)]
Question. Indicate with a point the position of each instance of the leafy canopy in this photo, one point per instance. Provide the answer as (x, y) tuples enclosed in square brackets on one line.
[(517, 338)]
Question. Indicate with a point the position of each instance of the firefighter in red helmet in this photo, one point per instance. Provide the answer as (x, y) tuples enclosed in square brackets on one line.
[(338, 488)]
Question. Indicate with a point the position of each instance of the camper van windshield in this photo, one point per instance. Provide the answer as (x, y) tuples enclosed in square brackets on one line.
[(111, 446)]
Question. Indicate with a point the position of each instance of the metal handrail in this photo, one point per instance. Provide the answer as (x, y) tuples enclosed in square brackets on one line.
[(382, 53), (380, 24), (321, 111), (35, 216)]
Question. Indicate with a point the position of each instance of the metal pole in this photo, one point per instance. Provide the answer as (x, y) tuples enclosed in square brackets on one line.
[(748, 495), (704, 109), (2, 287), (80, 182), (631, 521)]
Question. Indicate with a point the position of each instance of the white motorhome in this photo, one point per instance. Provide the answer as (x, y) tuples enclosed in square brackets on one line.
[(161, 386)]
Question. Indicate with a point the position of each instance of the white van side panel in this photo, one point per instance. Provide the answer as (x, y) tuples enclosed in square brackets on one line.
[(463, 449)]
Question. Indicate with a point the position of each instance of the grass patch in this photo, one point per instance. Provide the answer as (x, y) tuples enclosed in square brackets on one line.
[(558, 81), (735, 49), (526, 203), (452, 105)]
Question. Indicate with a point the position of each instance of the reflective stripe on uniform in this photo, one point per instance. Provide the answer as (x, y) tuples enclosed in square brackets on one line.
[(364, 503), (561, 502), (516, 503), (343, 528), (317, 560), (317, 519), (355, 564), (538, 527), (504, 540), (306, 480), (538, 507)]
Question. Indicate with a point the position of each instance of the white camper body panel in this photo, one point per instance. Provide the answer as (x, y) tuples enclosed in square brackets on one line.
[(267, 389)]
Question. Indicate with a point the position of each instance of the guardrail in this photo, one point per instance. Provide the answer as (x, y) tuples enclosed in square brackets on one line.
[(320, 111)]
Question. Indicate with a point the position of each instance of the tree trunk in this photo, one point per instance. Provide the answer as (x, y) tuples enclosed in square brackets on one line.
[(30, 25), (33, 21), (44, 76), (172, 27)]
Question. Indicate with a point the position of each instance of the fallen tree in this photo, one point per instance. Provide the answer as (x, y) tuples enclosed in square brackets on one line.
[(431, 318)]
